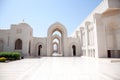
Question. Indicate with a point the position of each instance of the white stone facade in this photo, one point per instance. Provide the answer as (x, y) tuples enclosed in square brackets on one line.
[(19, 38), (99, 33), (98, 36)]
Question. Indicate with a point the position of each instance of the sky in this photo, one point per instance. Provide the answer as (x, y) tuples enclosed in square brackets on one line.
[(41, 14)]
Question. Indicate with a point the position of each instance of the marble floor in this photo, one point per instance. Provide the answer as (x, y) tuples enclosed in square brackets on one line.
[(60, 68)]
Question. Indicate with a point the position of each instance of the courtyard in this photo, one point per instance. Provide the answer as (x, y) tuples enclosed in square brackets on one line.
[(61, 68)]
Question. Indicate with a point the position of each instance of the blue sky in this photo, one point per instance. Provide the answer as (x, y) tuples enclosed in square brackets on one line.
[(40, 14)]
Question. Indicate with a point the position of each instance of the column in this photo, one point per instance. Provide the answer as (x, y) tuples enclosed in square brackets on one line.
[(100, 37), (86, 38)]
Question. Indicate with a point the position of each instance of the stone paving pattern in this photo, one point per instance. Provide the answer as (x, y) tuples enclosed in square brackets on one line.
[(60, 68)]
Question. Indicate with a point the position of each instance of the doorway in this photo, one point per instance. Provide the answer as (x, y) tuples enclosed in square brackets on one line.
[(74, 50), (39, 50), (109, 53), (1, 45)]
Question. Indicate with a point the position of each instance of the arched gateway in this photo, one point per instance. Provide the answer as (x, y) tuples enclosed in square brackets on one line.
[(61, 35), (57, 43), (97, 36)]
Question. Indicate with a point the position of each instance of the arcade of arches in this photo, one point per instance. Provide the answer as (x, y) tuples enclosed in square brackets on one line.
[(97, 36), (57, 43)]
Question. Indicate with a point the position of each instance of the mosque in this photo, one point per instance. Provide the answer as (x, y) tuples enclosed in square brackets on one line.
[(97, 36)]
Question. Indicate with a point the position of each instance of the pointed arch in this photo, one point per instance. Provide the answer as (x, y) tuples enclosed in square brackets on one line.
[(74, 50), (63, 32), (57, 27), (1, 45), (29, 48), (39, 50), (40, 47), (18, 44), (55, 47)]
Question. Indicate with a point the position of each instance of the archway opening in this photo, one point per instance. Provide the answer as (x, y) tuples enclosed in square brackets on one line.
[(59, 31), (18, 44), (1, 45), (56, 32), (74, 50), (39, 50), (56, 42), (29, 48), (55, 48)]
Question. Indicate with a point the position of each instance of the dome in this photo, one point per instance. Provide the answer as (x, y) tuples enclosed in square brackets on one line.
[(22, 23)]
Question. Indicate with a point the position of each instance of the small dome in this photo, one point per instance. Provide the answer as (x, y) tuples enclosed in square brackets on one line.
[(23, 23)]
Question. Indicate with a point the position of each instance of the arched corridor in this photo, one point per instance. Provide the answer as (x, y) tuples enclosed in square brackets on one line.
[(56, 31)]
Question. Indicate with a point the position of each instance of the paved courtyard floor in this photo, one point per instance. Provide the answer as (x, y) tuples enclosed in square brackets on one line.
[(60, 68)]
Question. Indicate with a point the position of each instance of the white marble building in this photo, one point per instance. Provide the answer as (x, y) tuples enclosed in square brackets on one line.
[(98, 36), (99, 33), (19, 38)]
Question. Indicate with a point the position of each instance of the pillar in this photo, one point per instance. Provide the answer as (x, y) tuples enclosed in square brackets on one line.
[(100, 37)]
